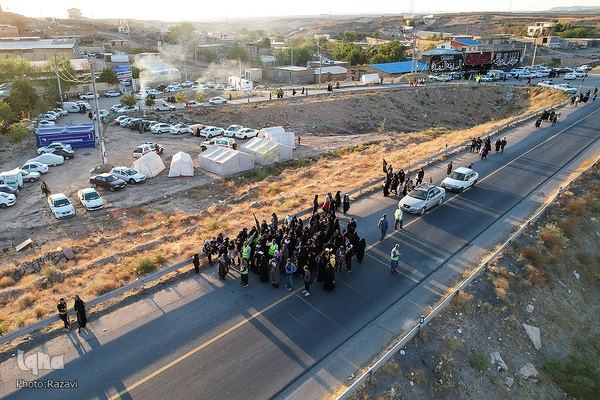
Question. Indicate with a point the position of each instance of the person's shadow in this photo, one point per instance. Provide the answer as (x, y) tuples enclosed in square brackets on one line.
[(79, 339)]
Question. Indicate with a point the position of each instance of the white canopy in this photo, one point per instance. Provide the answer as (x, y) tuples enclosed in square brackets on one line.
[(182, 165), (149, 165), (224, 161), (266, 152), (279, 135)]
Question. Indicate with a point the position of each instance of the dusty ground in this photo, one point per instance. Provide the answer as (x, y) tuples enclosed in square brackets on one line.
[(452, 357)]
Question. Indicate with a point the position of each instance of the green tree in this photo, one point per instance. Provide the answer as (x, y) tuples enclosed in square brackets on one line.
[(209, 54), (14, 68), (180, 97), (264, 43), (47, 78), (199, 97), (282, 56), (135, 72), (108, 75), (23, 97), (555, 62), (128, 100), (238, 52), (350, 52), (183, 32), (7, 116), (149, 102), (17, 133), (388, 52)]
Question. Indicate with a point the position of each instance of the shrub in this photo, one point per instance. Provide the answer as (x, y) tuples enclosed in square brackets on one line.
[(216, 225), (3, 327), (577, 375), (6, 281), (274, 189), (533, 255), (103, 286), (480, 360), (159, 258), (26, 301), (553, 237), (142, 266)]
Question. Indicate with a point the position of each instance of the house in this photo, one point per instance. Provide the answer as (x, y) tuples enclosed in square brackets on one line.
[(290, 74), (330, 74), (8, 30), (539, 29), (462, 45), (36, 49)]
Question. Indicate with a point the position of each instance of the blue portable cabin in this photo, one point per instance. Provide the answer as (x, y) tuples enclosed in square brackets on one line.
[(77, 135)]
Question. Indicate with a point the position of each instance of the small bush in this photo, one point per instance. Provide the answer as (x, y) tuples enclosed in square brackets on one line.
[(553, 237), (480, 361), (216, 225), (577, 375), (39, 312), (3, 327), (142, 266), (159, 258), (26, 301), (389, 368), (6, 281), (533, 255), (103, 286), (274, 189), (48, 271)]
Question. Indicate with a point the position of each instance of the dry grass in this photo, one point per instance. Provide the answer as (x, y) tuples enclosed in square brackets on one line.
[(459, 301), (389, 368), (6, 281), (553, 237), (501, 285), (535, 275), (416, 375), (534, 255)]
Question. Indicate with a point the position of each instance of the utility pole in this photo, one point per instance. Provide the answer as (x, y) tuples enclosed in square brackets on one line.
[(97, 112), (320, 65), (58, 78)]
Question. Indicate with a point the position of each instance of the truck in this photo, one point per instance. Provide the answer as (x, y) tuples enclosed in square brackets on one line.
[(12, 178)]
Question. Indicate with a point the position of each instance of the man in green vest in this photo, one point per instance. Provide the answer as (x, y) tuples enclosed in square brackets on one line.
[(244, 272), (398, 218), (394, 256), (273, 248)]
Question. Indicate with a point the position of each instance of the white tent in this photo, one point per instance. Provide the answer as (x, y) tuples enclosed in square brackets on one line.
[(224, 161), (149, 165), (279, 135), (266, 152), (181, 166)]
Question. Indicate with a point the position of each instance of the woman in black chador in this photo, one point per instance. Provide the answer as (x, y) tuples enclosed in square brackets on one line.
[(79, 307)]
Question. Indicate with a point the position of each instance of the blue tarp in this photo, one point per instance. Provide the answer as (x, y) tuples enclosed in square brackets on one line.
[(401, 67), (77, 135)]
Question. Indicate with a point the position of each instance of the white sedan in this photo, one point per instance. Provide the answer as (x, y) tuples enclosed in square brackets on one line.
[(570, 76), (30, 176), (88, 96), (161, 128), (7, 199), (35, 167), (127, 109), (179, 129), (112, 93), (231, 130), (217, 100), (460, 179), (61, 206), (129, 175), (422, 198), (246, 133), (52, 146), (211, 131), (90, 199), (45, 122)]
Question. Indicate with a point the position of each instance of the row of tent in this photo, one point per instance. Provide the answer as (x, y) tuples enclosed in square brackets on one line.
[(219, 160)]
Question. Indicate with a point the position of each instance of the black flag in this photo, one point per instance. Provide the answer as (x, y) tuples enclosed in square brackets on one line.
[(384, 166)]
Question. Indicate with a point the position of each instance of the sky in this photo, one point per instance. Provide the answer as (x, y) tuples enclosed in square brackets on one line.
[(190, 10)]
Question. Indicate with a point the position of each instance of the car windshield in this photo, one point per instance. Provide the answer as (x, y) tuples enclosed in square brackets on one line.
[(128, 172), (91, 196), (110, 178), (419, 194), (457, 176), (61, 202)]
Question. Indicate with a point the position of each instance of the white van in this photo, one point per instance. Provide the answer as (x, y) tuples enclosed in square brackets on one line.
[(70, 107), (12, 178)]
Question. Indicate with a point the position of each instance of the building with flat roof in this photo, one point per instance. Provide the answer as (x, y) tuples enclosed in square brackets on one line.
[(36, 49)]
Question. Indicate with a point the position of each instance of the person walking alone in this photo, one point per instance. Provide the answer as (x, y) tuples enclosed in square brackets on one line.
[(196, 262), (449, 168), (394, 256), (79, 307), (383, 227), (62, 313), (45, 188), (398, 218), (307, 281)]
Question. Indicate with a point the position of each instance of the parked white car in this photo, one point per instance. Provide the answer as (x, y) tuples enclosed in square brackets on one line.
[(164, 107), (246, 133), (30, 176), (217, 100), (88, 96), (112, 93), (85, 104), (45, 122), (570, 76), (231, 130), (146, 148), (460, 179), (49, 159), (129, 175), (50, 148), (565, 87), (127, 109), (211, 131), (61, 206), (7, 199), (161, 128), (90, 199), (179, 129), (35, 167)]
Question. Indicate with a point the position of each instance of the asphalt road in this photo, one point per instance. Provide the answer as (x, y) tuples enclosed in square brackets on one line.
[(218, 340)]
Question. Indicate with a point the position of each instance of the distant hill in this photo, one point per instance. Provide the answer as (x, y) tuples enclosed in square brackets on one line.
[(575, 10)]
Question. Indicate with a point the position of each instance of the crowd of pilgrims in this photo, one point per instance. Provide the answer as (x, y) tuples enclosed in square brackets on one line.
[(268, 249)]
